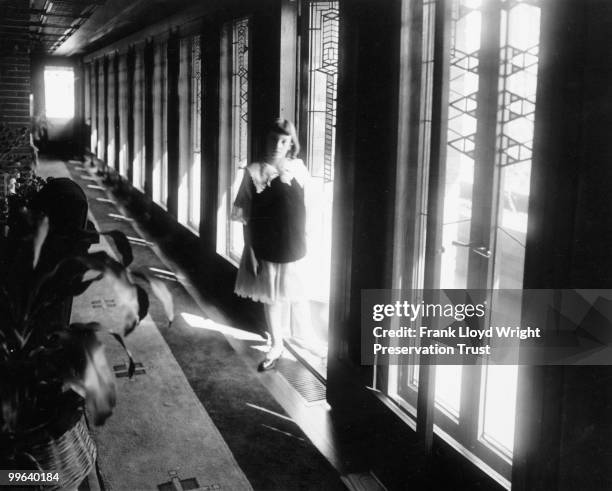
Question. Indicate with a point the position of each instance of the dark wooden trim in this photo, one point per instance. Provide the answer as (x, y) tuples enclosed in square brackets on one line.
[(130, 67), (302, 86), (544, 396), (106, 128), (484, 191), (264, 78), (343, 204), (211, 72), (116, 122), (148, 62), (94, 106), (173, 122)]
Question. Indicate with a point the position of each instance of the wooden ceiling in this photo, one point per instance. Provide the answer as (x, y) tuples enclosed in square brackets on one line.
[(72, 27), (120, 18), (44, 25)]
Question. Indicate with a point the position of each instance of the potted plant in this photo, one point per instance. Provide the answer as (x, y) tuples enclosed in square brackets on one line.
[(52, 372)]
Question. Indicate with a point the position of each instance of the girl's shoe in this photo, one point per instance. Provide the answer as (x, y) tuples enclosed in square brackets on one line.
[(269, 362)]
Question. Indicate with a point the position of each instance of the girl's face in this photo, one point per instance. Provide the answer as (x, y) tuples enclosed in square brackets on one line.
[(278, 146)]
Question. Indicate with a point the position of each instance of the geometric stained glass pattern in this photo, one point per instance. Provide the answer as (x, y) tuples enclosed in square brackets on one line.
[(195, 171), (196, 92), (463, 80), (240, 85), (519, 73), (240, 62), (323, 82)]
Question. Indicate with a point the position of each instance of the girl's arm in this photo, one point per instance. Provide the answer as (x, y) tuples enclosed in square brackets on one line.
[(241, 209)]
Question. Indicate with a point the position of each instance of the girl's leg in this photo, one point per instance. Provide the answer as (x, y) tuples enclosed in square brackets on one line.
[(304, 329), (274, 319), (301, 325)]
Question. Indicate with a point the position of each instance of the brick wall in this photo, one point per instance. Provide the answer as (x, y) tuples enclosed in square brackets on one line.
[(15, 70)]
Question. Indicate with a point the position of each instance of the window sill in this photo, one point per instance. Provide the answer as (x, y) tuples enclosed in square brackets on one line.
[(229, 259), (483, 466)]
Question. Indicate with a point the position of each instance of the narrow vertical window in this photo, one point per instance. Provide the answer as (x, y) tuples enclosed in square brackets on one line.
[(195, 165), (322, 87), (93, 80), (234, 135), (160, 118), (87, 100), (110, 110), (139, 107), (184, 129), (101, 144), (190, 116), (163, 185), (123, 116), (240, 120)]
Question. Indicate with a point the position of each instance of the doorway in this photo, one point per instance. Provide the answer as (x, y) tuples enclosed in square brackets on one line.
[(318, 56)]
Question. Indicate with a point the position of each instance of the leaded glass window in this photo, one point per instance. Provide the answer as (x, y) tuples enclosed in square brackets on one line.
[(239, 121), (195, 171), (322, 88), (87, 96), (190, 103), (101, 110), (93, 95), (110, 111), (123, 116), (138, 168), (160, 118)]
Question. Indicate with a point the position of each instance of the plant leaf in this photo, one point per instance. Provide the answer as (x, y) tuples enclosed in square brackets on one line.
[(143, 302), (123, 246), (94, 379), (160, 290), (39, 238), (127, 300)]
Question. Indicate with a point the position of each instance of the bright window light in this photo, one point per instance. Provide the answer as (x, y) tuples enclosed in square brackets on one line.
[(59, 92)]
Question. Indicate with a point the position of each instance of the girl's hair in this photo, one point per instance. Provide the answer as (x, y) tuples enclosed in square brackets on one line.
[(286, 127)]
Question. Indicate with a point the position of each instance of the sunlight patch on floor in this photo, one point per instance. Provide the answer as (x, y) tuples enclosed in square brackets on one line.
[(202, 323)]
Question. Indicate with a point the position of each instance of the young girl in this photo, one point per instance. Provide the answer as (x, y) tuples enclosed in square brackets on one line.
[(270, 203)]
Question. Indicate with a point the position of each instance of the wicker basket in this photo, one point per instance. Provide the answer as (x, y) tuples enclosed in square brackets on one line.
[(72, 455)]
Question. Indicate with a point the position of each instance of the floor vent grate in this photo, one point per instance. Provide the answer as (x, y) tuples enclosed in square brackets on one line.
[(307, 385), (122, 370)]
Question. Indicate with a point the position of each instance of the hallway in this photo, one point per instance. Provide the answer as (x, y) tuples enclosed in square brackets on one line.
[(366, 167), (196, 401)]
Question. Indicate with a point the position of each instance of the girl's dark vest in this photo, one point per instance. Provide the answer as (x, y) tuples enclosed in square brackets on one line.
[(278, 222)]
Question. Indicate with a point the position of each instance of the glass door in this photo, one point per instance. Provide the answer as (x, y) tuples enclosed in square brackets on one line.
[(317, 132), (477, 208)]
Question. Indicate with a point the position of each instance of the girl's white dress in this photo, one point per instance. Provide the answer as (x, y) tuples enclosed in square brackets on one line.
[(273, 281)]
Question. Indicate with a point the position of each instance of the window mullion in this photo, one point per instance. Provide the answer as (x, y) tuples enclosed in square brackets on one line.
[(303, 88), (470, 403), (482, 201), (485, 143), (435, 207)]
